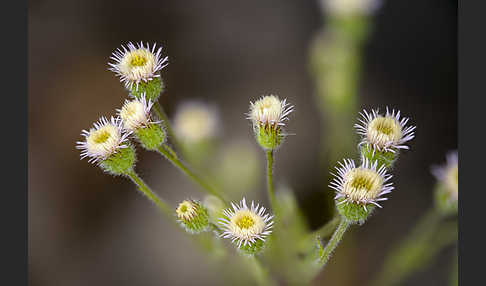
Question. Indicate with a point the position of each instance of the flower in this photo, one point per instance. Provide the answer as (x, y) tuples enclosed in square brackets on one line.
[(104, 140), (136, 113), (384, 133), (195, 121), (136, 64), (268, 115), (269, 111), (361, 185), (448, 175), (246, 226), (350, 7), (193, 216)]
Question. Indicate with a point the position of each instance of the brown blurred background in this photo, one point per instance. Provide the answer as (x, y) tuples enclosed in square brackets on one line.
[(88, 228)]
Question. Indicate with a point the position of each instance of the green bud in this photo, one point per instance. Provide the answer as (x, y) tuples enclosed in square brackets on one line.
[(444, 201), (152, 89), (386, 158), (252, 248), (193, 216), (352, 212), (151, 136), (268, 136), (121, 162)]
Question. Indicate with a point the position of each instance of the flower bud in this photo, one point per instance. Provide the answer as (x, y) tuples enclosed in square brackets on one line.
[(268, 115), (193, 216), (139, 69), (383, 135), (135, 116), (107, 145), (247, 227), (359, 189), (447, 189)]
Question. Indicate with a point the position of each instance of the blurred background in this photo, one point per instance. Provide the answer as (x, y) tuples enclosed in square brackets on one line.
[(88, 228)]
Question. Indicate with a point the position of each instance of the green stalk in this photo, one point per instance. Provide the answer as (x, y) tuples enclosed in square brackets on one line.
[(261, 274), (142, 187), (334, 241), (270, 187), (417, 249), (169, 154), (166, 123)]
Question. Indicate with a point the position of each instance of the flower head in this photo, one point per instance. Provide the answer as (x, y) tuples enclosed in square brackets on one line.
[(268, 115), (360, 187), (193, 216), (195, 121), (136, 113), (350, 7), (137, 63), (384, 132), (447, 176), (104, 140), (247, 227), (269, 111)]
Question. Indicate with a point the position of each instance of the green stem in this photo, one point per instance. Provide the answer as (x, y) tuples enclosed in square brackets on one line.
[(165, 122), (334, 241), (415, 251), (261, 274), (169, 154), (142, 187), (270, 187)]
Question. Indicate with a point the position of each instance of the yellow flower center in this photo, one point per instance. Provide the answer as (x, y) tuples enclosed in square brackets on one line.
[(138, 60), (245, 222), (100, 136), (186, 210), (362, 184), (383, 130)]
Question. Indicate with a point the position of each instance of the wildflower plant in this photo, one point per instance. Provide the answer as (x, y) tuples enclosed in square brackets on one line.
[(254, 231)]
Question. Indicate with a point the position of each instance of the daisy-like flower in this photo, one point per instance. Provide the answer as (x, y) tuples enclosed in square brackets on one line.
[(361, 185), (134, 64), (195, 121), (350, 7), (269, 111), (268, 115), (105, 139), (193, 216), (247, 227), (135, 114), (447, 175), (384, 132)]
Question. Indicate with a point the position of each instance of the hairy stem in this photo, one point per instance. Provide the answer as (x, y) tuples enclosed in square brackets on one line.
[(327, 229), (142, 187), (417, 249), (334, 241), (270, 187), (169, 154)]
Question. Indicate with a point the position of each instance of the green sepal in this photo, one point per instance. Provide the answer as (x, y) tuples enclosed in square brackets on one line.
[(199, 223), (268, 136), (252, 248), (151, 136), (443, 201), (354, 213), (386, 158), (121, 162), (152, 89)]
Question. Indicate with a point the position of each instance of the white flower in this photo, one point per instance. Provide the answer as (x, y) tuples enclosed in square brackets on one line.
[(385, 133), (245, 225), (350, 7), (103, 140), (136, 113), (137, 64), (448, 174), (195, 121), (269, 111), (186, 210), (361, 185)]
